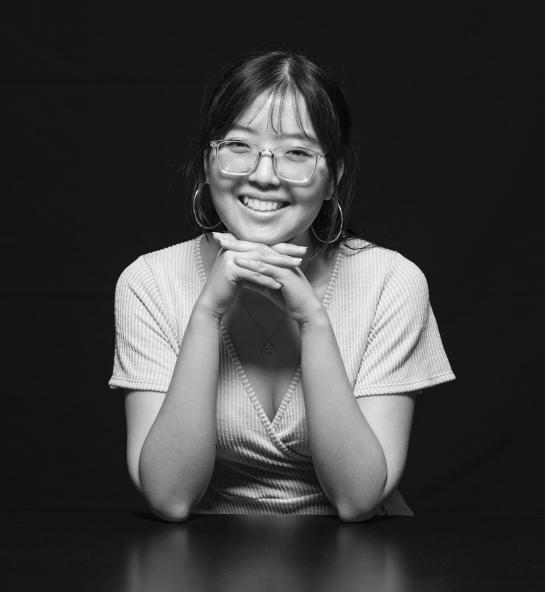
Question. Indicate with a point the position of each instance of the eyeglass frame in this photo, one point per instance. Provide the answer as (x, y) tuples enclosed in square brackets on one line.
[(216, 143)]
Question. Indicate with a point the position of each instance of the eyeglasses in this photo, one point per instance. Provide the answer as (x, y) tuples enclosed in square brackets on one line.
[(290, 163)]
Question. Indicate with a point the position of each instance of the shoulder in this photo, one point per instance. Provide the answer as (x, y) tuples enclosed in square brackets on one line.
[(369, 265), (160, 265), (173, 257)]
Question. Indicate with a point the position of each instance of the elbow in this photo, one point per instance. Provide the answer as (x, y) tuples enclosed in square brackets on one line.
[(352, 515), (168, 510), (363, 511), (178, 513), (360, 512)]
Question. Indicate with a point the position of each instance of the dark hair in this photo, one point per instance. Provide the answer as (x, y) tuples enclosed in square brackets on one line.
[(283, 73)]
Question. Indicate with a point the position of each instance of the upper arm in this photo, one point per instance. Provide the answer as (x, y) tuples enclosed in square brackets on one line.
[(141, 409), (390, 417)]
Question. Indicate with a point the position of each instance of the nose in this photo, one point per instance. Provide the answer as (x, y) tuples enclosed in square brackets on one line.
[(264, 173)]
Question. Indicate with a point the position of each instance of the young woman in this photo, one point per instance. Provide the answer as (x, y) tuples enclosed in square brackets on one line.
[(271, 366)]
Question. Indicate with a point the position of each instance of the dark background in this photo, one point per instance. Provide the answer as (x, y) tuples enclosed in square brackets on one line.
[(101, 105)]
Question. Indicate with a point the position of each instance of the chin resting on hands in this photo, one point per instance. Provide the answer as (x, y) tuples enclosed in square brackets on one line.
[(280, 279)]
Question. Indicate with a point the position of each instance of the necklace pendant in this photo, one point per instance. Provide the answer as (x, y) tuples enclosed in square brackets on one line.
[(268, 350)]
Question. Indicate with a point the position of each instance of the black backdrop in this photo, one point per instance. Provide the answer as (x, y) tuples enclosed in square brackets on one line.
[(100, 107)]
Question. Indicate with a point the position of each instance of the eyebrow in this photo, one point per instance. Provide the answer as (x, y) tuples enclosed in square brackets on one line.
[(296, 136)]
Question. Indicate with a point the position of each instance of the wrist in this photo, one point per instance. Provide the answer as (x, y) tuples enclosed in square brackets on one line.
[(317, 319), (206, 314)]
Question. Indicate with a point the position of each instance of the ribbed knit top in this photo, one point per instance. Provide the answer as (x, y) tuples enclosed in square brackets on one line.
[(378, 304)]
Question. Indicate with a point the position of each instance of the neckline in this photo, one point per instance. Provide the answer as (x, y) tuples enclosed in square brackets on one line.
[(326, 299)]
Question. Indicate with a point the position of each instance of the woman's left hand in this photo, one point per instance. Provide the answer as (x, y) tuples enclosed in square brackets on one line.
[(296, 296)]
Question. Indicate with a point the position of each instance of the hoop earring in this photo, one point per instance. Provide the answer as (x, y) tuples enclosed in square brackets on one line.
[(198, 217), (340, 229)]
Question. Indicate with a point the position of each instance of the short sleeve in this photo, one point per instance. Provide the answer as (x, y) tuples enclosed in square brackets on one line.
[(145, 340), (404, 351)]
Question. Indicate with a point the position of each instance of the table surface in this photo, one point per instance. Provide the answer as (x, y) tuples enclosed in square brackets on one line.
[(122, 551)]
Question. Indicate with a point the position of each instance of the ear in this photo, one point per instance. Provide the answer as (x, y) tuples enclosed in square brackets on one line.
[(340, 173)]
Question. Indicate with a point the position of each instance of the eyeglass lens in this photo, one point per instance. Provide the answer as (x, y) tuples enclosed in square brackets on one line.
[(292, 163)]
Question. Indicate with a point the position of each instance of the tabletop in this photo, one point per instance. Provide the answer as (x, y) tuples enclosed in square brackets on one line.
[(136, 552)]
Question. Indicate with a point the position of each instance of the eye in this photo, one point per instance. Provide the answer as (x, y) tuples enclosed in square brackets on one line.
[(298, 154), (238, 146)]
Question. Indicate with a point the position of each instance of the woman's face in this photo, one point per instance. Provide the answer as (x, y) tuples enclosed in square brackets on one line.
[(292, 222)]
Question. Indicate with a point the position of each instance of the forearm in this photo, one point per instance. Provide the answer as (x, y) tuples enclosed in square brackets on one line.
[(177, 458), (348, 458)]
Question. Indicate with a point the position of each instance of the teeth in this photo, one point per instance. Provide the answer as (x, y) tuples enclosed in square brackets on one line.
[(262, 206)]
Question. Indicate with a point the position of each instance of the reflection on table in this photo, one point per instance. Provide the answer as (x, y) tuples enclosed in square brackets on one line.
[(118, 552)]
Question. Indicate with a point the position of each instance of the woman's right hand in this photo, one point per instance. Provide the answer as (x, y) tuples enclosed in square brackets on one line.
[(226, 277)]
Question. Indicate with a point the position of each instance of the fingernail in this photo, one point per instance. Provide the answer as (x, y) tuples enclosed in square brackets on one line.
[(298, 259)]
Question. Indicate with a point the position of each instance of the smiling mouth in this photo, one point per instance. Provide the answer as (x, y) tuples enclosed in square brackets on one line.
[(263, 209)]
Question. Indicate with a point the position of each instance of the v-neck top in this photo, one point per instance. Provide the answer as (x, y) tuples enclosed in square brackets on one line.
[(378, 304)]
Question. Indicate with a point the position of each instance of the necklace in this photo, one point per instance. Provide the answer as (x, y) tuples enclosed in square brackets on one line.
[(268, 350)]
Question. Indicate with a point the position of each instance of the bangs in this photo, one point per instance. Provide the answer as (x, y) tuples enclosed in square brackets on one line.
[(281, 93), (287, 90)]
